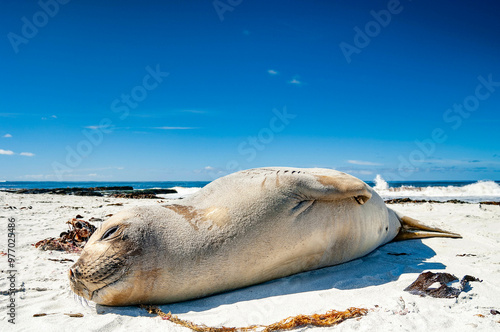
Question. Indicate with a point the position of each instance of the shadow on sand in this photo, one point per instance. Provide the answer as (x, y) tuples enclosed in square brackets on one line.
[(384, 265)]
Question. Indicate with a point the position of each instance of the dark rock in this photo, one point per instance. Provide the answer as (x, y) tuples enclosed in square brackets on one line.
[(490, 203), (136, 195), (142, 194), (456, 201), (409, 200), (116, 191), (87, 193), (112, 188), (158, 191), (33, 191)]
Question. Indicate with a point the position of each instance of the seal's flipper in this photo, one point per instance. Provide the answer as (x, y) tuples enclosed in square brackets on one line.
[(310, 184), (413, 229), (332, 186)]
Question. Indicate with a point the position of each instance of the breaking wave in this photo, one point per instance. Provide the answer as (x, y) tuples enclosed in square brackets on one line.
[(474, 192), (380, 183), (181, 192)]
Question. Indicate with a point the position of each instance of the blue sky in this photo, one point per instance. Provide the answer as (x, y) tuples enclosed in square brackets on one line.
[(193, 90)]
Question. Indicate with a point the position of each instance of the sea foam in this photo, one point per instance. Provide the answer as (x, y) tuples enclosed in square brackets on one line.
[(181, 192), (474, 192)]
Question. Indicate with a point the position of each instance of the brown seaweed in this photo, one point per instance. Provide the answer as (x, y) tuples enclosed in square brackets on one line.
[(72, 240), (422, 286), (332, 317)]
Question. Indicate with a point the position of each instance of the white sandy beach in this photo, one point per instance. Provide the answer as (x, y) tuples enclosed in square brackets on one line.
[(375, 282)]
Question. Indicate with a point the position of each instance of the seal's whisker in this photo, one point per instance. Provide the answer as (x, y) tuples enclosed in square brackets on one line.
[(81, 300)]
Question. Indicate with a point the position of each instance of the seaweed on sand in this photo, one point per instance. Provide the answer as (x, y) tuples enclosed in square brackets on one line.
[(422, 286), (72, 240), (330, 318)]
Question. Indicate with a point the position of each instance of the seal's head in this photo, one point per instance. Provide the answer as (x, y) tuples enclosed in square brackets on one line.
[(110, 266)]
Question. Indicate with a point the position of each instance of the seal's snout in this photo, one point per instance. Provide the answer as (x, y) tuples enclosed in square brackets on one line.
[(76, 283), (74, 272)]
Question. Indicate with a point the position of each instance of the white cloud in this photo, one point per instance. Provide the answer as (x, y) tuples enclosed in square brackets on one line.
[(7, 152), (175, 128), (33, 176), (210, 170), (7, 135), (27, 154), (447, 161), (194, 111), (93, 127), (9, 115), (295, 81), (53, 116), (364, 163), (272, 72)]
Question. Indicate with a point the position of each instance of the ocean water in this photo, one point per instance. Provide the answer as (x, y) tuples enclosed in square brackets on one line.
[(468, 191), (89, 184)]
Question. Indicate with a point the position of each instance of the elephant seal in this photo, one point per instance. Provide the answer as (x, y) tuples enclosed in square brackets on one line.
[(242, 229)]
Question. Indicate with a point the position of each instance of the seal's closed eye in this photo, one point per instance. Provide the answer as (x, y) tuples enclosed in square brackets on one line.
[(109, 232)]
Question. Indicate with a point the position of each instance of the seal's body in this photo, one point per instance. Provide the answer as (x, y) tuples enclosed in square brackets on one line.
[(242, 229)]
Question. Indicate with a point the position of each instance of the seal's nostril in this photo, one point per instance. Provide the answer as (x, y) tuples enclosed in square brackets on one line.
[(74, 272)]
